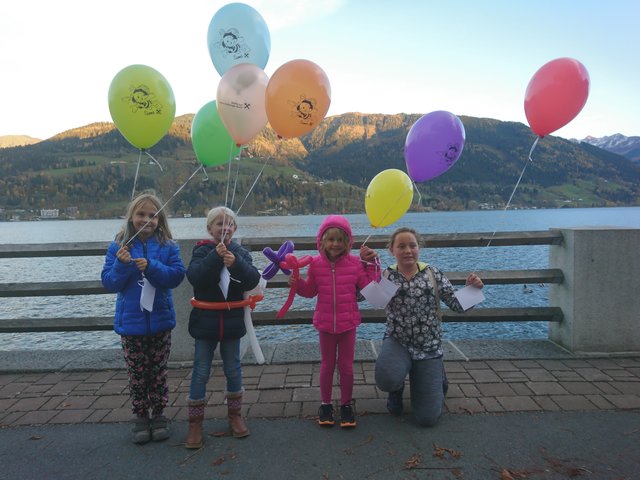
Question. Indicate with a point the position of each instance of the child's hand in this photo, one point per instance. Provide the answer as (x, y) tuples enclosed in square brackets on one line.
[(292, 280), (141, 263), (367, 254), (473, 280), (229, 259), (221, 249), (123, 255)]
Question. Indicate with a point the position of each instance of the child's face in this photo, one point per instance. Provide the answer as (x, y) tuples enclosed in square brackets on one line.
[(146, 212), (222, 226), (333, 243), (405, 249)]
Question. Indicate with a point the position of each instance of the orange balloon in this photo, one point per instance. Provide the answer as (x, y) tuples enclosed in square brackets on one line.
[(297, 98)]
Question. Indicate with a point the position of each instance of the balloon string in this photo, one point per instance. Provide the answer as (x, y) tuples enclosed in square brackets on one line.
[(154, 160), (228, 204), (135, 178), (226, 195), (254, 184), (529, 159), (419, 194), (165, 204), (235, 182)]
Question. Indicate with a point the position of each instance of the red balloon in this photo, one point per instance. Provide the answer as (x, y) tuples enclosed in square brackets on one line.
[(555, 95)]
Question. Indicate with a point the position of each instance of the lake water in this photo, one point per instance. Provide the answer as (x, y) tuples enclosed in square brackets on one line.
[(463, 259)]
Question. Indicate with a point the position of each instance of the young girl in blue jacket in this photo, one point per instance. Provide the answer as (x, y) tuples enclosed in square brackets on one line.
[(142, 265)]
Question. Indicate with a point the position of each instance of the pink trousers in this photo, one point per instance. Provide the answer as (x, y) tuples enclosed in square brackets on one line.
[(340, 346)]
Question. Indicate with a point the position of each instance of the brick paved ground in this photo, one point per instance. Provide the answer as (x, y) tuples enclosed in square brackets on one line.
[(291, 390)]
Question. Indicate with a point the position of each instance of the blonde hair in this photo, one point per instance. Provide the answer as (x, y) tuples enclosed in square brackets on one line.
[(162, 231), (343, 234), (400, 230), (220, 211)]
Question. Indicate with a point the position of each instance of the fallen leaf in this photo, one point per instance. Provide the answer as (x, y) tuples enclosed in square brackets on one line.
[(457, 473), (414, 461), (505, 475), (217, 462), (35, 437), (219, 434), (440, 451)]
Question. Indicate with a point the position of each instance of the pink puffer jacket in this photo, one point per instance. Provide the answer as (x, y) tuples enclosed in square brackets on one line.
[(336, 283)]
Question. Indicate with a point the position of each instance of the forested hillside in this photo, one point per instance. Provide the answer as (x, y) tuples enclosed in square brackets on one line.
[(93, 168)]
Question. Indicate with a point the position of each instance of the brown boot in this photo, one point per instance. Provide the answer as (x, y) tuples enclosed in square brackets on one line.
[(196, 417), (234, 408)]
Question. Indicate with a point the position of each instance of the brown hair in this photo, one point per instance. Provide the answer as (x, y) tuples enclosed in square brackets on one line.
[(162, 232), (400, 230)]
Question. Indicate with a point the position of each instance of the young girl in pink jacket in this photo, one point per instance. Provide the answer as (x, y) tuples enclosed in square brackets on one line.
[(335, 276)]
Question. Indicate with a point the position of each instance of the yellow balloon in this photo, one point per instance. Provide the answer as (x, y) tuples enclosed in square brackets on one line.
[(389, 196), (142, 105)]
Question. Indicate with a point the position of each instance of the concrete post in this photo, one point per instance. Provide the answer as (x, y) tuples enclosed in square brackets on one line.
[(600, 295), (181, 342)]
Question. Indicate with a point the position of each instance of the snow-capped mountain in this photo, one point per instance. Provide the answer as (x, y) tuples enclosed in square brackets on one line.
[(626, 146)]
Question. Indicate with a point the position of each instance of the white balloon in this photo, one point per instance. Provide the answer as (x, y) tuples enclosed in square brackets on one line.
[(241, 101)]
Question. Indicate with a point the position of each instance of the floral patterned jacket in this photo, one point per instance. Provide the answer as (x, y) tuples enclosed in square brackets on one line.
[(413, 315)]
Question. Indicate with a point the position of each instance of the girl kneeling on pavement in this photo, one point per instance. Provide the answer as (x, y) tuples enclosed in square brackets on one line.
[(412, 342)]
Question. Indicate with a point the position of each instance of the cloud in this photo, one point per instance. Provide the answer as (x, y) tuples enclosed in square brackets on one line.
[(279, 14)]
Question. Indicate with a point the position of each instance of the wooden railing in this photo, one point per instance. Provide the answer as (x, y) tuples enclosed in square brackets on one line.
[(92, 287)]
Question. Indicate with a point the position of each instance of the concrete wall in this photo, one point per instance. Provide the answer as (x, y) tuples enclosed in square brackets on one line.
[(181, 342), (600, 295)]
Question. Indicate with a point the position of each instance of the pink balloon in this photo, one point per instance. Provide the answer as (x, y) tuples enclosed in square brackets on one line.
[(434, 143), (240, 101), (555, 95)]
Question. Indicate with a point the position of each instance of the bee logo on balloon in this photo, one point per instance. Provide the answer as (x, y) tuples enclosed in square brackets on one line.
[(142, 99), (451, 154), (232, 43), (304, 110)]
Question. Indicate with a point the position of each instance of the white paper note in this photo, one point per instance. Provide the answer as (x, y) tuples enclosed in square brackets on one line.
[(469, 296), (379, 294), (225, 278), (147, 295)]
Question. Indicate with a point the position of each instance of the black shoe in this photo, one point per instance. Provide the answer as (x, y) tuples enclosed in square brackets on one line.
[(325, 415), (347, 416), (394, 402)]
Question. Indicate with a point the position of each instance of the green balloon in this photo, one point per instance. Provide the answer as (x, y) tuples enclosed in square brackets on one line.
[(211, 141), (142, 105)]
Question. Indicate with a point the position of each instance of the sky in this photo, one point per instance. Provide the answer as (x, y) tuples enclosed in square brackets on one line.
[(468, 57)]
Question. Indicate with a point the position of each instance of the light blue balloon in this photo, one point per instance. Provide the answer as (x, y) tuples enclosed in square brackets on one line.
[(238, 34)]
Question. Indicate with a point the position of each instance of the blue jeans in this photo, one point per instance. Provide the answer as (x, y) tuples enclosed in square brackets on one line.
[(425, 379), (203, 356)]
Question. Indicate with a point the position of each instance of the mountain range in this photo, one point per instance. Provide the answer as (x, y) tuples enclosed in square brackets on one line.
[(626, 146), (89, 172)]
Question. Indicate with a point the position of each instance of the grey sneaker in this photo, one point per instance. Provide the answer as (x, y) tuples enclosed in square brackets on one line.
[(160, 428), (140, 431)]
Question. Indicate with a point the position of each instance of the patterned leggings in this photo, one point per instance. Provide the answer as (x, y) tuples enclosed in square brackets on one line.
[(146, 358)]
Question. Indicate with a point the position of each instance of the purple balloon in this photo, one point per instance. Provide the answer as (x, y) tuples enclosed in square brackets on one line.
[(276, 258), (434, 143)]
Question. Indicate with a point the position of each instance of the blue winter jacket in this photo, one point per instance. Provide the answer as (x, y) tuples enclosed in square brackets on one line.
[(165, 271)]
